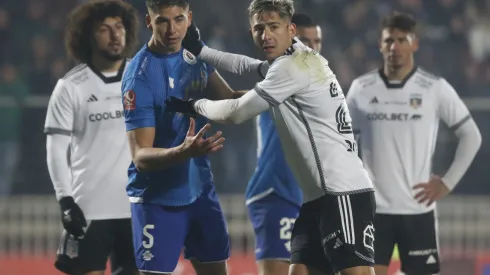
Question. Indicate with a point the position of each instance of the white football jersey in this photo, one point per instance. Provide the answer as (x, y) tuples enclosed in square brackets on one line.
[(87, 106), (314, 125), (398, 124)]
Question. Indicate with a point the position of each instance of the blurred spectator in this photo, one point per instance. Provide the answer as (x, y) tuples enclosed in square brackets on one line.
[(12, 93)]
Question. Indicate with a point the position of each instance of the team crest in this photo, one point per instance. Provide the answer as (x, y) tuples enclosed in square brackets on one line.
[(415, 101), (189, 57), (129, 100)]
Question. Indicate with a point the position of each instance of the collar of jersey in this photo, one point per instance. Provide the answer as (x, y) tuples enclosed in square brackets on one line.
[(169, 55), (112, 79), (398, 85)]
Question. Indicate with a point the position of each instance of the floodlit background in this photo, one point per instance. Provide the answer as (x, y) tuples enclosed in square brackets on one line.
[(455, 43)]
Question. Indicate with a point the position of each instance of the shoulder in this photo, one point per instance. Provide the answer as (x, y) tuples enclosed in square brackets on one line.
[(76, 76), (426, 80), (365, 80)]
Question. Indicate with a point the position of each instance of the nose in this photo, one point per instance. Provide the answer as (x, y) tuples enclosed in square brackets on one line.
[(394, 46), (114, 34), (171, 27), (266, 34)]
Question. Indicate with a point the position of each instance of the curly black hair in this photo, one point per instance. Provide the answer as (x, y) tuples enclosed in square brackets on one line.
[(81, 22)]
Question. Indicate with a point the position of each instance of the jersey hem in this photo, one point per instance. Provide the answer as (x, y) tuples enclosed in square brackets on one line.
[(109, 216), (394, 212)]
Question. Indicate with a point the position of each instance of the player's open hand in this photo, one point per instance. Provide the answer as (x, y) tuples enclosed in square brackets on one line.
[(196, 145), (431, 191), (192, 40)]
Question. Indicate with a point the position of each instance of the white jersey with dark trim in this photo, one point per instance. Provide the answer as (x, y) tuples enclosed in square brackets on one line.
[(314, 125), (87, 106), (398, 124)]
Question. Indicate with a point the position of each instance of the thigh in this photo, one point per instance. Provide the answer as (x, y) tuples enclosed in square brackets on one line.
[(273, 218), (384, 243), (122, 256), (306, 240), (418, 244), (347, 230), (158, 236), (207, 240), (87, 254)]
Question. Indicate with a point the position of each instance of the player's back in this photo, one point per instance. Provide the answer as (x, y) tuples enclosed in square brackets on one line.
[(314, 124), (272, 174), (149, 80), (86, 105), (398, 124)]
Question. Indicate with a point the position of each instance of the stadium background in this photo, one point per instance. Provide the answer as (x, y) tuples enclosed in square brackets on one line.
[(455, 43)]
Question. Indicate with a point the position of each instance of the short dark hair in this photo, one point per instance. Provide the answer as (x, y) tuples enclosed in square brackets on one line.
[(398, 20), (303, 20), (154, 5), (81, 22), (285, 8)]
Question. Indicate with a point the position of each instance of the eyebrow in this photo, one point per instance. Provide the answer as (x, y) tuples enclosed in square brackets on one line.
[(109, 25), (162, 18)]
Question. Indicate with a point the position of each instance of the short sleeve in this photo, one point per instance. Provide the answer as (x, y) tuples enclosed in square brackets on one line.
[(353, 106), (138, 104), (209, 69), (61, 111), (451, 108), (283, 80)]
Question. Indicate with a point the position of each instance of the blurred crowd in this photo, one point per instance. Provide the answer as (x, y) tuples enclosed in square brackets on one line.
[(455, 43)]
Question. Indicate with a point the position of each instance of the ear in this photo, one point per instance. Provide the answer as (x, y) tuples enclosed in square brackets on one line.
[(292, 30), (380, 45), (189, 18), (148, 22), (415, 45)]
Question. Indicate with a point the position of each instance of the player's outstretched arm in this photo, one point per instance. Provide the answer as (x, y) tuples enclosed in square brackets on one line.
[(147, 158), (234, 63)]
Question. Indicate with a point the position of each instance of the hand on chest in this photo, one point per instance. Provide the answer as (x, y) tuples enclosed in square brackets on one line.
[(187, 81)]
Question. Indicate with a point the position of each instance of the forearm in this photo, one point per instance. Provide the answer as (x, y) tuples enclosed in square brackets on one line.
[(233, 111), (154, 159), (56, 158), (234, 63), (469, 143)]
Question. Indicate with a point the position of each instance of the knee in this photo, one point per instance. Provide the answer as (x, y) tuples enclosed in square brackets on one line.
[(272, 267)]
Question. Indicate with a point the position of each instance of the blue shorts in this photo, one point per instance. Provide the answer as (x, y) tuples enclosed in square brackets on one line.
[(273, 218), (160, 233)]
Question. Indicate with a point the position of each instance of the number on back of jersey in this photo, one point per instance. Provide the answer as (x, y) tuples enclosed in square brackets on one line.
[(343, 119)]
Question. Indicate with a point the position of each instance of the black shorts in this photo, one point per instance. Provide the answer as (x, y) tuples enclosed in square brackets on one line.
[(416, 237), (333, 233), (104, 239)]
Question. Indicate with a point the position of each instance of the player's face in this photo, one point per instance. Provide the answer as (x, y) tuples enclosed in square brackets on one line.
[(310, 36), (110, 38), (169, 26), (272, 34), (397, 47)]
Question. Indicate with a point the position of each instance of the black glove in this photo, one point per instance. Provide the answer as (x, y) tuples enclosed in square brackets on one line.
[(192, 40), (72, 217), (177, 105)]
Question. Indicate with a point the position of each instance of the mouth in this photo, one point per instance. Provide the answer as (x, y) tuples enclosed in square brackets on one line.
[(172, 40), (115, 46), (268, 49)]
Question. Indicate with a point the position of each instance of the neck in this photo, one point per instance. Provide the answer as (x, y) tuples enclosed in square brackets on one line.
[(160, 48), (104, 65), (398, 73)]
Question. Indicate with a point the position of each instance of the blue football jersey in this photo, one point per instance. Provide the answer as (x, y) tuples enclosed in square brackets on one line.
[(149, 79), (272, 173)]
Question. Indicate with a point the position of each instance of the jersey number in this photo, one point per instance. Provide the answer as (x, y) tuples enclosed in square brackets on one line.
[(148, 244), (351, 146), (343, 119), (285, 231)]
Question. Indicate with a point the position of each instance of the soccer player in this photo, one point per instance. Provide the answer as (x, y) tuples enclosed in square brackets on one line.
[(334, 230), (174, 203), (396, 110), (273, 196), (87, 161)]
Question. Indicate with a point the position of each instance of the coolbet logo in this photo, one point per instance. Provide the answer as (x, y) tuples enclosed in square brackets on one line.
[(393, 116), (105, 116), (129, 100)]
